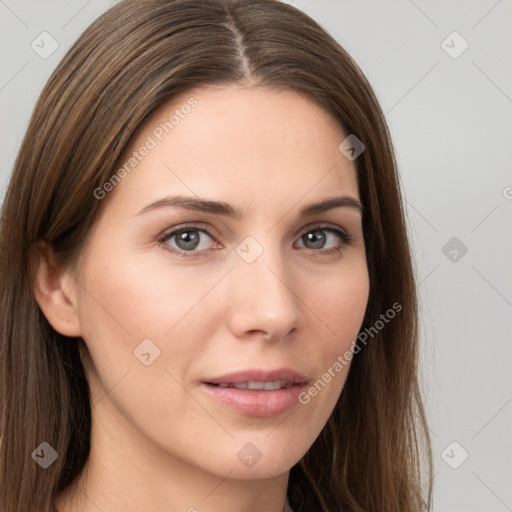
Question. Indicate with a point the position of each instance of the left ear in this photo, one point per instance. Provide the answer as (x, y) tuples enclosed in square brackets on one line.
[(54, 291)]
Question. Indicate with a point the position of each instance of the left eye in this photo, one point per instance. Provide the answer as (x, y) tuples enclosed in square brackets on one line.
[(321, 238), (189, 240)]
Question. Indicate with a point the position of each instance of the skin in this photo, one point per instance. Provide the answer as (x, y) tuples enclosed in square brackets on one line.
[(158, 441)]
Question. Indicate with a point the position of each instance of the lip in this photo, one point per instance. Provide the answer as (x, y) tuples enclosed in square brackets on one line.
[(257, 403), (259, 375)]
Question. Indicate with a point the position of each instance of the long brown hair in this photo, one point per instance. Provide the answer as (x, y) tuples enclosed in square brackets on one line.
[(136, 56)]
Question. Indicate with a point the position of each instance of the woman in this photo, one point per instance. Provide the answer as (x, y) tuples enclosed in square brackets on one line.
[(208, 297)]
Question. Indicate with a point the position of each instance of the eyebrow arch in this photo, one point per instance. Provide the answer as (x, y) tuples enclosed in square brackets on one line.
[(224, 209), (329, 204), (191, 203)]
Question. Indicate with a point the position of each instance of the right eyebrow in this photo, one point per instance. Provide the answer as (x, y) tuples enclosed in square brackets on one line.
[(191, 203)]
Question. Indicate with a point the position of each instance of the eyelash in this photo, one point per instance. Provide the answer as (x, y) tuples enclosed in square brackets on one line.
[(344, 237)]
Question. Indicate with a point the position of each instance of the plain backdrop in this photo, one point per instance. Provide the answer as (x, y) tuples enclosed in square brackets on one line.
[(442, 71)]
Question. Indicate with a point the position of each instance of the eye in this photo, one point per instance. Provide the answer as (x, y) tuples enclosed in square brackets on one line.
[(187, 239), (323, 238), (192, 239)]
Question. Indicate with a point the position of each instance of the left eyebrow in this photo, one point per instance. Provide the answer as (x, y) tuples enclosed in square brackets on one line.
[(329, 204)]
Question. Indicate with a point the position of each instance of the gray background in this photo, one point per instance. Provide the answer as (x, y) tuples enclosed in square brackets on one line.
[(451, 123)]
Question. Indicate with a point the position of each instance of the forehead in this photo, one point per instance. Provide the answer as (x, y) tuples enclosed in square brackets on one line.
[(233, 142)]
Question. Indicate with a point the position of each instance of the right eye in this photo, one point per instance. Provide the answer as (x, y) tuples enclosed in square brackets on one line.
[(187, 240)]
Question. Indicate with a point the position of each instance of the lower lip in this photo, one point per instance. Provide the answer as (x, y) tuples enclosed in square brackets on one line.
[(256, 403)]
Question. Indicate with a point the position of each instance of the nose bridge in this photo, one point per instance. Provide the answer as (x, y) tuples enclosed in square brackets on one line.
[(264, 299)]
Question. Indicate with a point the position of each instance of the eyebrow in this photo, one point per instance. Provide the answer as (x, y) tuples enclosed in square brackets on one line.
[(226, 210)]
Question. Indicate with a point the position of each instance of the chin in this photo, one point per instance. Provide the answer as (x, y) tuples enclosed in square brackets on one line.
[(259, 458)]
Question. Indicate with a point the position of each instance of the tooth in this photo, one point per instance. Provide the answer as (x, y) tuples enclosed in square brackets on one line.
[(256, 385), (271, 386)]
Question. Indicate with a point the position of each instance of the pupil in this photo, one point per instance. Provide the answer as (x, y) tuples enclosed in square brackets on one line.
[(314, 239), (187, 240)]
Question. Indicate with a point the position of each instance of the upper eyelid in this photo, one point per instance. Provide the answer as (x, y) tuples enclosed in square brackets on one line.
[(321, 225), (167, 233)]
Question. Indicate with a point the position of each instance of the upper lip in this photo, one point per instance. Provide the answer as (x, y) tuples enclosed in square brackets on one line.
[(259, 375)]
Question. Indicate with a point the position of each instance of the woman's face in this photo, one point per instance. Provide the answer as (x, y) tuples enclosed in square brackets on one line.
[(230, 257)]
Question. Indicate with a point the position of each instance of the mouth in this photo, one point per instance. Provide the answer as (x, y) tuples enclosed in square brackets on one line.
[(258, 378), (257, 393), (253, 385)]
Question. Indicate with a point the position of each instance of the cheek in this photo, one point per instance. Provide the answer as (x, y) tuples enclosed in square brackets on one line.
[(147, 297), (340, 302), (126, 302), (337, 305)]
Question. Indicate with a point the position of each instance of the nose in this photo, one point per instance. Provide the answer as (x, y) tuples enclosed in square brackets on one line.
[(263, 301)]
